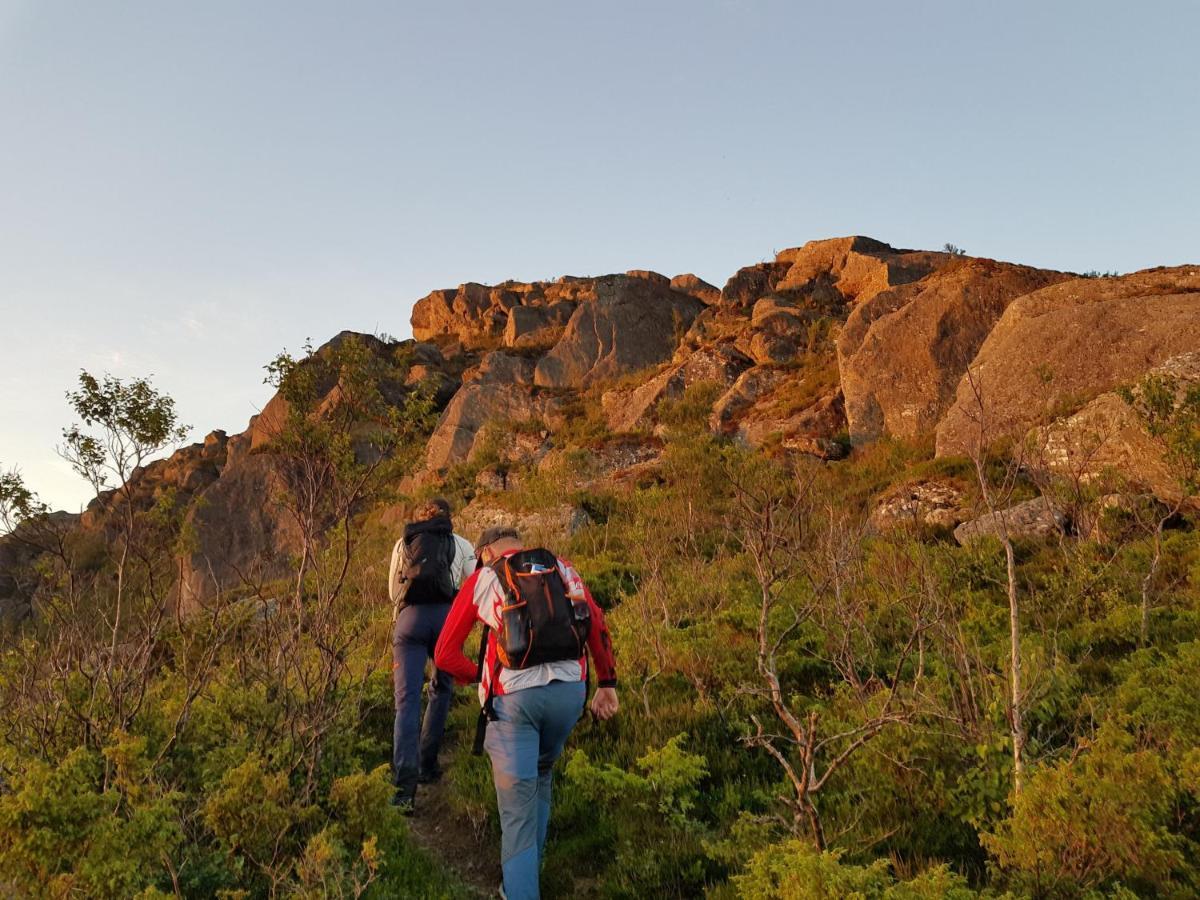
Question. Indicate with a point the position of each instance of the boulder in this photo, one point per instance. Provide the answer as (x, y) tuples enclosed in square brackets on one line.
[(696, 287), (852, 269), (750, 387), (631, 324), (1066, 344), (501, 368), (1032, 519), (456, 436), (531, 327), (902, 353)]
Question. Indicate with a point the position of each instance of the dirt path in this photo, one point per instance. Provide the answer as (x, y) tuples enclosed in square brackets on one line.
[(452, 839)]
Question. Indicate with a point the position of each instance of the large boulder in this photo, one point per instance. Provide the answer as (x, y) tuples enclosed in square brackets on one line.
[(902, 353), (499, 389), (1065, 344), (631, 323), (696, 287), (1033, 519), (750, 387)]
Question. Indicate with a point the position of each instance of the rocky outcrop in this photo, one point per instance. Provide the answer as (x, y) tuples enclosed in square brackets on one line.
[(273, 418), (456, 438), (21, 577), (631, 323), (856, 268), (921, 504), (1108, 439), (1066, 344), (1032, 519), (627, 409), (902, 353)]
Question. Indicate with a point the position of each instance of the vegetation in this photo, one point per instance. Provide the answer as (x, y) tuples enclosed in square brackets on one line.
[(811, 709)]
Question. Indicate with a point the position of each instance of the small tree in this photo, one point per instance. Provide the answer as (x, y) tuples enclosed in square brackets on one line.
[(996, 495), (1170, 412), (805, 559), (124, 425)]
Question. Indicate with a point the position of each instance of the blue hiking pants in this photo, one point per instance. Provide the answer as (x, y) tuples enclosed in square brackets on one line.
[(527, 737), (415, 743)]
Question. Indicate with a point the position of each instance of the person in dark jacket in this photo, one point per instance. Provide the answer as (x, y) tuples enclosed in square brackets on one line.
[(429, 564)]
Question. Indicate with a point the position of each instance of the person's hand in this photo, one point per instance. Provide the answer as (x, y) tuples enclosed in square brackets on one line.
[(604, 703)]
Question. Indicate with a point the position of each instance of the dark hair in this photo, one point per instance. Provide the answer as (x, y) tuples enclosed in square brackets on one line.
[(431, 509)]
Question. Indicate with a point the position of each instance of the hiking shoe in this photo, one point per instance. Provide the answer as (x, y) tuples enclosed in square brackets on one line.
[(404, 802), (429, 776)]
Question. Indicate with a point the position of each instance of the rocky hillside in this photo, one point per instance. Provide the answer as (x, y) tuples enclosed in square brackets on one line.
[(827, 347)]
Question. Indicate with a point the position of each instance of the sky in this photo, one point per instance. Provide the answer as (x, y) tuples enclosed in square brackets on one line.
[(188, 188)]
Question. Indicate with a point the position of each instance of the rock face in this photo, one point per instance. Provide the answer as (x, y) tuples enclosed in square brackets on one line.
[(1031, 519), (243, 536), (1070, 342), (1108, 439), (903, 352), (19, 553), (631, 323)]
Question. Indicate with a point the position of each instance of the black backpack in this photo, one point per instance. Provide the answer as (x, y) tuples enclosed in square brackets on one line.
[(539, 623), (429, 553)]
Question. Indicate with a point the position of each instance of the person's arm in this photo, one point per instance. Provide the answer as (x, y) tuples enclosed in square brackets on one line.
[(464, 560), (448, 655), (394, 571), (604, 701), (600, 645)]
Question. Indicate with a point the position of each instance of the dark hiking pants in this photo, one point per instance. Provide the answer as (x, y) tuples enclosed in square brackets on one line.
[(415, 743)]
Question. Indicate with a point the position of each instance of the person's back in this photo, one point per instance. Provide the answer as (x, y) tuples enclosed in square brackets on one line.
[(542, 624), (429, 563)]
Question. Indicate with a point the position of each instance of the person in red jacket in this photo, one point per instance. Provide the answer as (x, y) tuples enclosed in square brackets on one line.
[(533, 709)]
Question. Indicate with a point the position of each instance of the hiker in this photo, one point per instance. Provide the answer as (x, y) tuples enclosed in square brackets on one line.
[(540, 622), (429, 564)]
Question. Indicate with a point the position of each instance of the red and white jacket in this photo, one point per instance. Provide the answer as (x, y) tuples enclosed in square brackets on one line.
[(480, 599)]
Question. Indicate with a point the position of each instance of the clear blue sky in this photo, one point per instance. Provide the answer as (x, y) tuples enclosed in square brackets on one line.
[(186, 188)]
